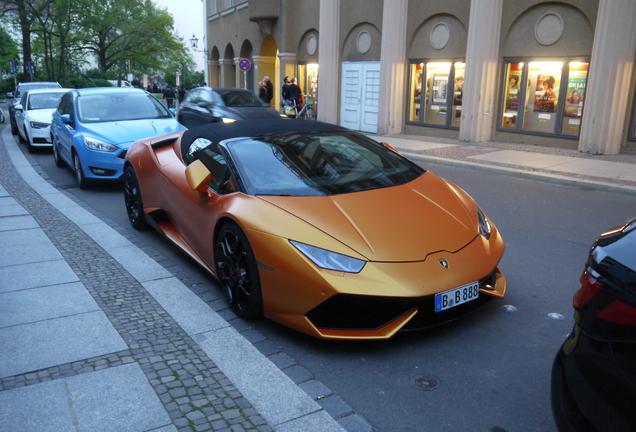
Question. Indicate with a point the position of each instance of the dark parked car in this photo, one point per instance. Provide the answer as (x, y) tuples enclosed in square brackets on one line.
[(17, 95), (203, 105), (594, 373)]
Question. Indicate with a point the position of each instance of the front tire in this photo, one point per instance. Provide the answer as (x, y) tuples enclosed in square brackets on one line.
[(82, 183), (238, 273), (132, 199)]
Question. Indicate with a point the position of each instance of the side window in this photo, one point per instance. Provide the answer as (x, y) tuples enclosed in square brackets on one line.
[(23, 101), (205, 97), (209, 153), (62, 107), (192, 96)]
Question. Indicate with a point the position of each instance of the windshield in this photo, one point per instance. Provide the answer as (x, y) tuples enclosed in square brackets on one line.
[(21, 88), (314, 164), (119, 107), (239, 98), (44, 100)]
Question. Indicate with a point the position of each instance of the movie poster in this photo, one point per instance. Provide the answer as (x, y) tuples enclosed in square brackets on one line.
[(577, 80), (545, 99)]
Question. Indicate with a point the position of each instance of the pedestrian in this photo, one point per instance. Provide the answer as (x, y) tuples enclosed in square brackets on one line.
[(181, 93), (262, 91), (285, 89), (168, 95), (294, 93), (270, 89)]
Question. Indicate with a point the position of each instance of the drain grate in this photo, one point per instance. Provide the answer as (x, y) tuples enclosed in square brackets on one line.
[(426, 382)]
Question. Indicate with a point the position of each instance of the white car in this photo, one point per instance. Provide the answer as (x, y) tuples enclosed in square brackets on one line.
[(33, 116)]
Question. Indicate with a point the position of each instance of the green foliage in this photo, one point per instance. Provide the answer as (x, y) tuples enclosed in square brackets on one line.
[(122, 36), (8, 49)]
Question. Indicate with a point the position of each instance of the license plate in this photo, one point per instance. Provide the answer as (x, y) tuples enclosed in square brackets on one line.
[(457, 296)]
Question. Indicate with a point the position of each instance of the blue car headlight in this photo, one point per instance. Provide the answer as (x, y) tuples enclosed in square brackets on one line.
[(484, 224), (329, 260), (98, 145)]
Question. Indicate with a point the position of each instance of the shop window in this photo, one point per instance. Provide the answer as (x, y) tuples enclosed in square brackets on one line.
[(308, 79), (436, 93), (552, 95)]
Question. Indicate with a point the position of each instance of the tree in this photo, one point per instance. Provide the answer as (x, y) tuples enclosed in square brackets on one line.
[(136, 28), (8, 49)]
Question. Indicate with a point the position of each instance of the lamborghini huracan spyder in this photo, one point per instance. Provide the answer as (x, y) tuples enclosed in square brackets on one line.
[(317, 227)]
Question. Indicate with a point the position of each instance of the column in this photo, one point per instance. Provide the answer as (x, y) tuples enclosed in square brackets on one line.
[(392, 67), (480, 80), (238, 82), (611, 66), (287, 67), (328, 58)]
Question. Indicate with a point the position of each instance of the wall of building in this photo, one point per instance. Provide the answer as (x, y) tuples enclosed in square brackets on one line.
[(287, 44)]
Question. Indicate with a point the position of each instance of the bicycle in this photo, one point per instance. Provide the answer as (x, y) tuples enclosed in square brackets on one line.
[(306, 113)]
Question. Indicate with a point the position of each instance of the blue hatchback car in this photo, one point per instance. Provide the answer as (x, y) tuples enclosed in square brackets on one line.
[(92, 129)]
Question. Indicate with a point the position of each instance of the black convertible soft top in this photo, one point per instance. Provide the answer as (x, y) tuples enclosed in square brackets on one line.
[(217, 132)]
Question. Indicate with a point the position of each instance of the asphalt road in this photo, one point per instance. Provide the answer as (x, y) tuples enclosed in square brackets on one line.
[(493, 367)]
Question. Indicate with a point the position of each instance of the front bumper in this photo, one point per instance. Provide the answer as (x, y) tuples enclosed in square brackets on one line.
[(382, 299)]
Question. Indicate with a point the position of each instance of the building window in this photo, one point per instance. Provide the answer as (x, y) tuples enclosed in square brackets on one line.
[(550, 102), (435, 93)]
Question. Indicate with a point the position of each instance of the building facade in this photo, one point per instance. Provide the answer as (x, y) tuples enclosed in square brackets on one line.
[(554, 73)]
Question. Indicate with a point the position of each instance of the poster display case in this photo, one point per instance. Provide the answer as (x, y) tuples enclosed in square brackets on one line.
[(544, 97), (436, 93)]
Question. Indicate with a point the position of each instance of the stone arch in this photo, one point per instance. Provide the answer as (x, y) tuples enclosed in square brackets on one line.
[(424, 44), (307, 50), (576, 39), (267, 64), (228, 68), (358, 36), (214, 68)]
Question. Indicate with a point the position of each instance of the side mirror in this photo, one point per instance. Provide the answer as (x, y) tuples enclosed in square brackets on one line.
[(198, 176), (390, 147), (66, 118), (9, 95), (18, 107)]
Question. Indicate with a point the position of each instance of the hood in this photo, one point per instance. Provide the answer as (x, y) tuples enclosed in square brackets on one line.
[(125, 132), (246, 113), (400, 223), (40, 115)]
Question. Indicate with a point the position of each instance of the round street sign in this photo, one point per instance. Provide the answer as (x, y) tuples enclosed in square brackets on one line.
[(245, 65)]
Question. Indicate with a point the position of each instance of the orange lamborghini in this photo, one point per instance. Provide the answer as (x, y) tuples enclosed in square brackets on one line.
[(317, 227)]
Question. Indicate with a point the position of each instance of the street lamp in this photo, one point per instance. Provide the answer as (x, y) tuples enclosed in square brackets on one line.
[(194, 42)]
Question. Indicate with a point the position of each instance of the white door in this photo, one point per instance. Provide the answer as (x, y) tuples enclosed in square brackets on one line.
[(360, 96)]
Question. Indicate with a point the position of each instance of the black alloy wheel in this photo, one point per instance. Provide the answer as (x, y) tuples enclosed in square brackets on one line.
[(56, 155), (238, 273), (132, 199), (82, 183)]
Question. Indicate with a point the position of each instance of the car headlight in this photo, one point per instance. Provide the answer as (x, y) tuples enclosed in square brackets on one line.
[(228, 120), (38, 125), (330, 260), (98, 145), (484, 224)]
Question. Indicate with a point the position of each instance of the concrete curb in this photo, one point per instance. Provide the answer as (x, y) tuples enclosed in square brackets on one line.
[(528, 175)]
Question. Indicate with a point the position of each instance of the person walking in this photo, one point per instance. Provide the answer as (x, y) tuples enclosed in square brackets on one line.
[(181, 93), (168, 95), (285, 90), (270, 89), (262, 92), (295, 93)]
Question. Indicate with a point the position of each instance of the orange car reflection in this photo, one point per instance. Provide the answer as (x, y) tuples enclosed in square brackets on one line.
[(317, 227)]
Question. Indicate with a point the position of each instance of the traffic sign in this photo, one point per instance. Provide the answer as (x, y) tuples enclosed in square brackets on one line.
[(245, 65)]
